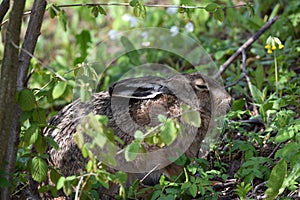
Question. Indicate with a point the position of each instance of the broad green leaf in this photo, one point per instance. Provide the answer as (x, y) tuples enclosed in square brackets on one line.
[(131, 151), (133, 3), (168, 132), (31, 134), (59, 89), (121, 176), (219, 15), (212, 7), (192, 118), (139, 135), (193, 190), (60, 183), (101, 10), (4, 182), (26, 100), (52, 143), (238, 105), (276, 179), (39, 169), (54, 176)]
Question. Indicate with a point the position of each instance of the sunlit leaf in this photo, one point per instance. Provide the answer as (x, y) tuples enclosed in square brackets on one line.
[(59, 89), (39, 169), (131, 151)]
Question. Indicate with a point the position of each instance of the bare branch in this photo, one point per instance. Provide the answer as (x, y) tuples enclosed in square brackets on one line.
[(30, 40), (4, 6), (146, 5), (248, 43)]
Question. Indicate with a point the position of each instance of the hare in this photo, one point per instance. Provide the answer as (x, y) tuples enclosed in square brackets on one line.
[(133, 104)]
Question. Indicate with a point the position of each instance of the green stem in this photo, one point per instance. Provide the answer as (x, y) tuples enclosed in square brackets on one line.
[(276, 72)]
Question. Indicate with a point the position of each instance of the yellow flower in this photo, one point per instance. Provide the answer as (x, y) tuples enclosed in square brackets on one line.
[(274, 47), (281, 46), (268, 46), (269, 51)]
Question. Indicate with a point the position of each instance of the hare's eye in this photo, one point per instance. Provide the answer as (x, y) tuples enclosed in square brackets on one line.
[(200, 84), (201, 87)]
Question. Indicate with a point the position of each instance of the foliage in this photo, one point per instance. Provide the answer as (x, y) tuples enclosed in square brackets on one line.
[(265, 142)]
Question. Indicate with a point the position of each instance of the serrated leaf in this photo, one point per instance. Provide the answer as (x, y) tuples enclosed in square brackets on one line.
[(39, 169), (219, 15), (212, 7), (276, 179), (26, 100), (193, 190), (131, 151)]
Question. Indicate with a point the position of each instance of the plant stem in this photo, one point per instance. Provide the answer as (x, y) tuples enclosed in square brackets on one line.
[(276, 72)]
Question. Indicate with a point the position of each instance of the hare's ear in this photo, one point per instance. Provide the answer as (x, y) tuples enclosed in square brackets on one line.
[(139, 88)]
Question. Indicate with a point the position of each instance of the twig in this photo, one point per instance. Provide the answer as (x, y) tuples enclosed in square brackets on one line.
[(252, 39), (78, 188), (146, 5), (41, 63), (4, 6), (6, 21), (247, 77), (154, 168)]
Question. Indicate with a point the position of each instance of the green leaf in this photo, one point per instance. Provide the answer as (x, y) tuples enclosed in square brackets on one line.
[(133, 3), (219, 15), (4, 182), (95, 11), (26, 100), (212, 7), (190, 116), (31, 134), (139, 135), (121, 176), (132, 53), (101, 10), (59, 89), (39, 169), (54, 176), (259, 76), (168, 132), (193, 190), (62, 18), (60, 183), (238, 105), (276, 179), (131, 151), (83, 40), (52, 143), (256, 94)]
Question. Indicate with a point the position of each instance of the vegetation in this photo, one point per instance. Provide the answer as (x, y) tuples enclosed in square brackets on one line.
[(257, 154)]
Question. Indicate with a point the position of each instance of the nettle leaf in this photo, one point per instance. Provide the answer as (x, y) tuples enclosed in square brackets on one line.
[(39, 169), (193, 190), (31, 134), (131, 151), (59, 90), (219, 15), (26, 100), (276, 179), (212, 7)]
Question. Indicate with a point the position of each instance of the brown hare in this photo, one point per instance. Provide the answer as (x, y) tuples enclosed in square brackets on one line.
[(133, 104)]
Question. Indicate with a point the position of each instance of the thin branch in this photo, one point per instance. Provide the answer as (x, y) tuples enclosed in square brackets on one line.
[(248, 43), (6, 21), (247, 77), (30, 40), (42, 64), (4, 6), (146, 5)]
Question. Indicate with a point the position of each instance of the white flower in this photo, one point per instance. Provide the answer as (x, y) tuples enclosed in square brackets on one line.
[(174, 30), (133, 21), (113, 34), (172, 11), (189, 27)]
